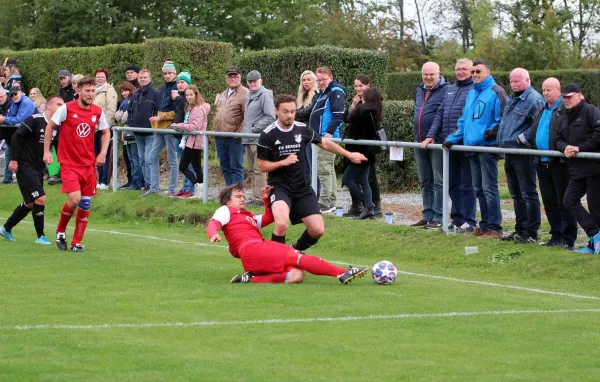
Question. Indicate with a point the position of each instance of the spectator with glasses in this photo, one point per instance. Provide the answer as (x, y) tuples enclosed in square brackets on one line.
[(478, 126)]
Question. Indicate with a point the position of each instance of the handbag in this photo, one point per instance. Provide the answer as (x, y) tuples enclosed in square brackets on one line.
[(380, 135), (128, 136)]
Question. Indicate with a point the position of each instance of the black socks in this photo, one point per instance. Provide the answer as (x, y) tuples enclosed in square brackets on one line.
[(38, 218), (305, 241), (19, 214), (277, 238)]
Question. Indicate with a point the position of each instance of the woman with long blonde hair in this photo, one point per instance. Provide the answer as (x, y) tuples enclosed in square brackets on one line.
[(40, 102), (196, 119), (307, 89)]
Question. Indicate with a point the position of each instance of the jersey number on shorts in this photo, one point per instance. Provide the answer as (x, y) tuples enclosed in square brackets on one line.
[(35, 194)]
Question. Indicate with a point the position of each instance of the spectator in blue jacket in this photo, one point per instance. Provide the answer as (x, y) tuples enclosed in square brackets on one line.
[(326, 118), (478, 126), (163, 120), (429, 95), (142, 107), (21, 108), (553, 172), (461, 186), (514, 132)]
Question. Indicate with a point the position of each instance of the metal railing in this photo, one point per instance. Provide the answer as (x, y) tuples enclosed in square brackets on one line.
[(314, 158)]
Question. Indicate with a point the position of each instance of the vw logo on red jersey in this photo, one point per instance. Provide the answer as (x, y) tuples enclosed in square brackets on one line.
[(83, 130)]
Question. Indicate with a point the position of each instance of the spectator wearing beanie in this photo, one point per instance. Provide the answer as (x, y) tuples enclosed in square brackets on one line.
[(131, 73), (183, 80), (164, 119)]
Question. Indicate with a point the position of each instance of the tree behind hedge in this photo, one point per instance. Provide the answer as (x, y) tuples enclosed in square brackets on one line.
[(206, 61), (281, 68), (401, 86)]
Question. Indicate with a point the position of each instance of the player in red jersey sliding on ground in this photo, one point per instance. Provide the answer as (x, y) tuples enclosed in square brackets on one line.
[(77, 120), (265, 261)]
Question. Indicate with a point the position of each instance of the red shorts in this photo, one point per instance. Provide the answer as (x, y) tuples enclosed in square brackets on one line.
[(78, 178), (266, 257)]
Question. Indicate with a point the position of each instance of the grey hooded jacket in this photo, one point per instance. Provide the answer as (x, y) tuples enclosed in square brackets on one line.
[(260, 113)]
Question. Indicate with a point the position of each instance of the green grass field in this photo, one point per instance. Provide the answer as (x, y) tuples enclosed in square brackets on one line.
[(150, 301)]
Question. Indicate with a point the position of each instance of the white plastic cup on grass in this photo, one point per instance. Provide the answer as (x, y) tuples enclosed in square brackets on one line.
[(389, 217), (471, 250), (339, 211)]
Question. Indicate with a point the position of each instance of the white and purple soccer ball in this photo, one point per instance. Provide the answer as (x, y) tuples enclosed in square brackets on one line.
[(384, 272)]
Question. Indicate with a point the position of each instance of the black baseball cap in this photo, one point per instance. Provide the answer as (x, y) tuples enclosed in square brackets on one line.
[(232, 69), (14, 90), (570, 89)]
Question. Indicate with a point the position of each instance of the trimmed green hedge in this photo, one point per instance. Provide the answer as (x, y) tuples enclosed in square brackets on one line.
[(206, 60), (401, 86), (395, 176), (281, 68)]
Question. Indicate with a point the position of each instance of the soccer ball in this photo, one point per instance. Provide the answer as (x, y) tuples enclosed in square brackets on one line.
[(384, 272)]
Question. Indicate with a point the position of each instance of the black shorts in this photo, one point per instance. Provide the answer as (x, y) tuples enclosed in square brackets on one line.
[(301, 204), (31, 183)]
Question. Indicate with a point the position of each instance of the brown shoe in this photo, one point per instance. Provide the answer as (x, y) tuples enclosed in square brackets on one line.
[(476, 232), (491, 234)]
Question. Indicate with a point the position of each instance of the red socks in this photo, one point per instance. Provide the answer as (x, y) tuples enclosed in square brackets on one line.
[(65, 217), (270, 278), (318, 266), (80, 224)]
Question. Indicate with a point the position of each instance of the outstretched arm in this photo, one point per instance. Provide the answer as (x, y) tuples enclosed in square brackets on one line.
[(333, 147)]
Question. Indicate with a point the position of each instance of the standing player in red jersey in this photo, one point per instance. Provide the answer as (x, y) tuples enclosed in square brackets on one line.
[(265, 261), (77, 120)]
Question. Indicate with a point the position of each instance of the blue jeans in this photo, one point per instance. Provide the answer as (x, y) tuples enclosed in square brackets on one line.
[(356, 177), (104, 169), (160, 141), (429, 164), (188, 186), (484, 173), (7, 172), (308, 151), (136, 168), (520, 176), (231, 158), (464, 203), (144, 145)]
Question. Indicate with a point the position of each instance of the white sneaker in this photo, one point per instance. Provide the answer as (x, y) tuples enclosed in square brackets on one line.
[(103, 186), (198, 189)]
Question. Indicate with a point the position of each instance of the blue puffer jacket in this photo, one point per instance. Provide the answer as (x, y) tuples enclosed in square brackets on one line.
[(427, 103), (482, 112), (518, 117), (327, 113), (166, 101), (450, 110)]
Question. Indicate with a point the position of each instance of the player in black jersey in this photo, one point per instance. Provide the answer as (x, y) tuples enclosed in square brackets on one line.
[(281, 153), (27, 162)]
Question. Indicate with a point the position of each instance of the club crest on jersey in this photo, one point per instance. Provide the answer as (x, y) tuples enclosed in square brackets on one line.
[(298, 138), (83, 130), (93, 118)]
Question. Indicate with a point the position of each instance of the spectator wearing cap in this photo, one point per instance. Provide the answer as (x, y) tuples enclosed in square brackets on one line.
[(229, 117), (184, 80), (106, 97), (131, 73), (20, 109), (579, 131), (66, 92), (514, 132), (259, 113), (553, 172), (163, 120)]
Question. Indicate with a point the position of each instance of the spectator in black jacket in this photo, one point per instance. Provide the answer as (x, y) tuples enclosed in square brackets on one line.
[(579, 131), (67, 93), (553, 172), (142, 107), (365, 120), (131, 73)]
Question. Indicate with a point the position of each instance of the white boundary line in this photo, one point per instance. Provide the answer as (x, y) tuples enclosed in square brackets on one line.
[(295, 320), (485, 283)]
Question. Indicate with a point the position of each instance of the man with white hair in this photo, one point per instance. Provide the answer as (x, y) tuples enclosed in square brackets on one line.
[(515, 132), (429, 95)]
